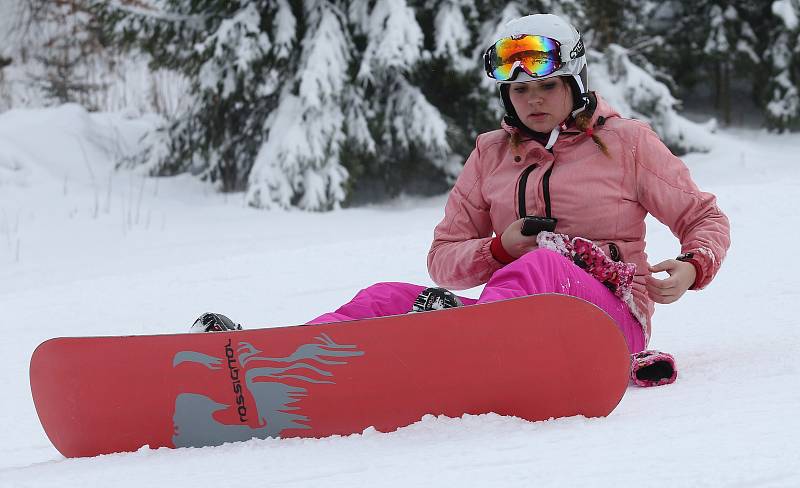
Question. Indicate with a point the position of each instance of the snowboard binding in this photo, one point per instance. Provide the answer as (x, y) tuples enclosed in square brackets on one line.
[(435, 299), (214, 322)]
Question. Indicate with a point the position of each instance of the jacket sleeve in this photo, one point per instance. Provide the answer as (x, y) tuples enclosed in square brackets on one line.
[(666, 190), (460, 256)]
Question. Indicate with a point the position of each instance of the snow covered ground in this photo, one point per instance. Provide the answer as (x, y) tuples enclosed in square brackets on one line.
[(85, 250)]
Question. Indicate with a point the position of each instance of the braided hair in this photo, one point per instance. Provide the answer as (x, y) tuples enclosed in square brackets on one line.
[(583, 122)]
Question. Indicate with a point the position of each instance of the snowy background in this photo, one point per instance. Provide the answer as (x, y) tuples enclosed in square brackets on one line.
[(87, 250), (324, 104)]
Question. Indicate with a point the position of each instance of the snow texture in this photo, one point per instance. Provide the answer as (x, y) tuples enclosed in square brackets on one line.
[(86, 250), (788, 11)]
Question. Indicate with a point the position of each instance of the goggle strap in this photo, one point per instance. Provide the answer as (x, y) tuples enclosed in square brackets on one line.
[(579, 49)]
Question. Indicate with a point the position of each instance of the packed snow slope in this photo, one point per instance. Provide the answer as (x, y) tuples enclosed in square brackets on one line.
[(87, 250)]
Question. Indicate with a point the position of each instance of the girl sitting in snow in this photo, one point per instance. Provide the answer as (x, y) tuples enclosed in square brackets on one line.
[(555, 202)]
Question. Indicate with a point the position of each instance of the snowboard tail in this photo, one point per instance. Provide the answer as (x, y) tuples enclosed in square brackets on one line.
[(536, 358)]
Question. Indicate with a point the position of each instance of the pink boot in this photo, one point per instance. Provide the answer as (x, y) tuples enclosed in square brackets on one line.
[(653, 368)]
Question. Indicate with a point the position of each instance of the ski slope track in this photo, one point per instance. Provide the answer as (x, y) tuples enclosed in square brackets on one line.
[(87, 250)]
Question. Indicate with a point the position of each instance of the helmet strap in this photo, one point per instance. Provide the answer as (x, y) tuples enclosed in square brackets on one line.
[(580, 109), (580, 102), (578, 80), (589, 102), (553, 137)]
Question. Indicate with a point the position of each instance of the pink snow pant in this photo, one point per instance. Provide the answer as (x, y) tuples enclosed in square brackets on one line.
[(539, 271)]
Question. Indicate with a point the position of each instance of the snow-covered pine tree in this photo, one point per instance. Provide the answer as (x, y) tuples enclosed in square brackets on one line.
[(293, 99), (54, 52), (713, 43), (410, 132), (357, 118), (313, 103), (636, 93), (634, 24), (450, 74), (8, 51), (730, 47), (620, 22), (299, 163), (233, 53), (70, 48), (782, 90)]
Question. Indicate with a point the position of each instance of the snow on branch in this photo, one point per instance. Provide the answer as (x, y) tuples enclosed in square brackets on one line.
[(394, 39), (635, 93), (237, 43), (414, 121), (143, 10), (452, 36), (326, 57), (284, 24), (298, 164), (788, 11)]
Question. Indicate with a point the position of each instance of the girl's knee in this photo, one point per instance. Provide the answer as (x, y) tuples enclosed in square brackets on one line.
[(541, 256), (390, 288)]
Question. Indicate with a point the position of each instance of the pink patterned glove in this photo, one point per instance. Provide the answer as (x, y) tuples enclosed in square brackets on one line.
[(653, 368), (617, 276)]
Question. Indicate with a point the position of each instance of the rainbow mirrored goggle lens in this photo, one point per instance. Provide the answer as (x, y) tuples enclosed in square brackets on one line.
[(536, 55)]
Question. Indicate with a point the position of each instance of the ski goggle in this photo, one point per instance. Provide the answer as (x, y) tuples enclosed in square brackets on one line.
[(536, 55)]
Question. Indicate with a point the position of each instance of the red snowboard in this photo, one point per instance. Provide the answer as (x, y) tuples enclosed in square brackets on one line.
[(535, 358)]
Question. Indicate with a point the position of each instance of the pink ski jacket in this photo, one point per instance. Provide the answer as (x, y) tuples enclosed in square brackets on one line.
[(600, 198)]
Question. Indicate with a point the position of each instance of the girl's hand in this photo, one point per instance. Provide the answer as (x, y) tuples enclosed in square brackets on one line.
[(514, 242), (681, 277)]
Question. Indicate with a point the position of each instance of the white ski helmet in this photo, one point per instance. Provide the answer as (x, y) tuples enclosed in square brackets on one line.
[(572, 53)]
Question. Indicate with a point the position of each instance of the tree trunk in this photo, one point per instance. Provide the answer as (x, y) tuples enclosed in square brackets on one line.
[(725, 95), (717, 87)]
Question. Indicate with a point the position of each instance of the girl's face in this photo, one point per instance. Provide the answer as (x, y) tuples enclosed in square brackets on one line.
[(541, 105)]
